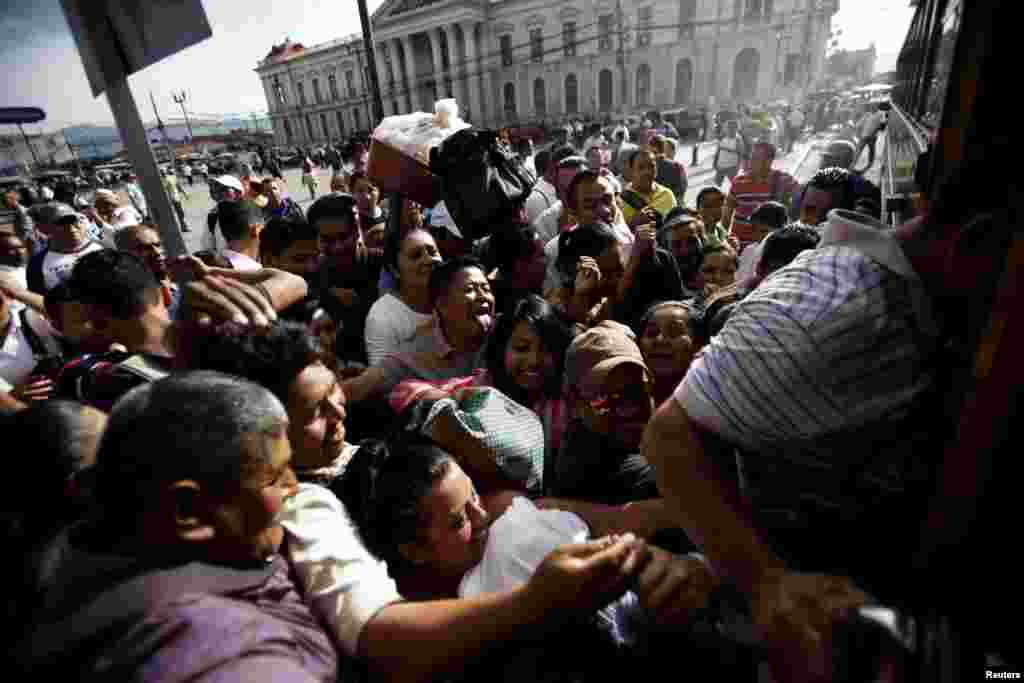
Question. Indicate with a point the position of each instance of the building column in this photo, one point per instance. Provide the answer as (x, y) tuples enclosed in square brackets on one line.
[(473, 67), (386, 70), (410, 72), (453, 58), (434, 38)]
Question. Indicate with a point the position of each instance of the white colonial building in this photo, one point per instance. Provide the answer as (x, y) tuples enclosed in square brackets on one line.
[(510, 61)]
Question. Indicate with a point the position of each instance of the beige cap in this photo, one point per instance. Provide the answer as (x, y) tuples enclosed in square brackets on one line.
[(596, 352)]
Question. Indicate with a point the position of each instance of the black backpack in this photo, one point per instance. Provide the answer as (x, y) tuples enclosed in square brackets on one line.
[(483, 183)]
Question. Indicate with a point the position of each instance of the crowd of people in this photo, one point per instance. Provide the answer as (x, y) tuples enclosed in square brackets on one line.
[(350, 441)]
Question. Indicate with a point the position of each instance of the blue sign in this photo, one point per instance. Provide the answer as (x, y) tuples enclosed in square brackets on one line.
[(21, 115)]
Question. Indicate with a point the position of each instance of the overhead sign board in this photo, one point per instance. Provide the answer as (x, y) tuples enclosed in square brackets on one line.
[(117, 38), (21, 115)]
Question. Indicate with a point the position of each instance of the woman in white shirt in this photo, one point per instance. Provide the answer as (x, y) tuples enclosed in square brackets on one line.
[(397, 316)]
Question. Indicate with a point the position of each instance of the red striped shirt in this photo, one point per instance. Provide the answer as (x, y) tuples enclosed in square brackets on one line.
[(750, 194)]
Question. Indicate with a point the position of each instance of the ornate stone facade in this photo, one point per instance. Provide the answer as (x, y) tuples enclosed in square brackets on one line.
[(509, 61)]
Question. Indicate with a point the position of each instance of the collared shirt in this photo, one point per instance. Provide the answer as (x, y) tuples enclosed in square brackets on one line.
[(660, 198), (57, 266), (240, 261), (832, 341), (428, 355)]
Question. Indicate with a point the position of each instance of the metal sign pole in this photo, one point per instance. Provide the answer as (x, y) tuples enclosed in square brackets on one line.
[(133, 135), (28, 143)]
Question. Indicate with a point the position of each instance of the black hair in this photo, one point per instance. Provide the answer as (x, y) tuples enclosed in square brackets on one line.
[(772, 214), (783, 245), (116, 280), (585, 175), (631, 159), (707, 191), (541, 160), (590, 239), (190, 425), (270, 356), (333, 206), (441, 276), (281, 233), (562, 152), (393, 239), (237, 218), (383, 487), (54, 298), (868, 206), (63, 447), (510, 244), (694, 316), (546, 323), (834, 179)]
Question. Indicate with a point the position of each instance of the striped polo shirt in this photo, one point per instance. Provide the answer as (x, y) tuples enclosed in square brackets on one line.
[(838, 339), (750, 194)]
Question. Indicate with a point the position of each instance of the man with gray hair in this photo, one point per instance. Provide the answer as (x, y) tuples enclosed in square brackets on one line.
[(178, 574)]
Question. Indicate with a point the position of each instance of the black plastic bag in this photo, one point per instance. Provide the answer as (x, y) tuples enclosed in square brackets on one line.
[(482, 182)]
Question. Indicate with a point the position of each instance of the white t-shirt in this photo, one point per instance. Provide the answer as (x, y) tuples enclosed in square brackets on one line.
[(57, 267), (16, 357), (390, 324), (518, 542), (344, 583)]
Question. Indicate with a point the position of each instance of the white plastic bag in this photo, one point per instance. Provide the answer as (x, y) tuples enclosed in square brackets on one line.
[(414, 134)]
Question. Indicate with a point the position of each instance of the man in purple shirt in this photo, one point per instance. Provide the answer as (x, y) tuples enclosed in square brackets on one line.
[(178, 576)]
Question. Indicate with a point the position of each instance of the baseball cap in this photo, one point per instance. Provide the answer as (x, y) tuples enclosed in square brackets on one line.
[(441, 218), (596, 352), (54, 212), (229, 181)]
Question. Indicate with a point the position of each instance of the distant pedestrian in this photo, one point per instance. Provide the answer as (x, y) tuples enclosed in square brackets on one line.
[(308, 177), (175, 193), (186, 170)]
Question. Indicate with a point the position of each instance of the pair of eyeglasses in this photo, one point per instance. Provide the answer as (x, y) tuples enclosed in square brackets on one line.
[(625, 404)]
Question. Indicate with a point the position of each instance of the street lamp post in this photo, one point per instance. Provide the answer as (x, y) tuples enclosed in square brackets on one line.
[(180, 101)]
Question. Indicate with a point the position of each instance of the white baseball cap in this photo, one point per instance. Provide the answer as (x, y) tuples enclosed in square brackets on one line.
[(230, 181)]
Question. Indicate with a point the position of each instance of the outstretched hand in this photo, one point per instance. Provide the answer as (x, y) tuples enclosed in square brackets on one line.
[(582, 577)]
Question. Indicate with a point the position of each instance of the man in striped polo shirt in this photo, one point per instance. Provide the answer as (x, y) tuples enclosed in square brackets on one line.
[(824, 356), (749, 190)]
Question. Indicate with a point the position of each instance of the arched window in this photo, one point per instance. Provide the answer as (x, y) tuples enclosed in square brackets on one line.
[(744, 79), (316, 91), (309, 127), (510, 99), (572, 95), (341, 122), (332, 85), (643, 85), (684, 81), (302, 93), (604, 89), (288, 130), (357, 119), (282, 96), (540, 97)]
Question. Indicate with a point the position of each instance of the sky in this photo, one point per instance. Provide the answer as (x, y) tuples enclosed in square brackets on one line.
[(42, 67)]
